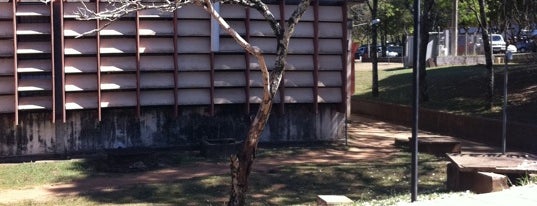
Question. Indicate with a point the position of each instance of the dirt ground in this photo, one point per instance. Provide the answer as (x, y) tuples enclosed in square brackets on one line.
[(368, 140)]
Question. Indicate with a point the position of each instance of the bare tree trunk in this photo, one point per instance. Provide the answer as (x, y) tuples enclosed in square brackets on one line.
[(241, 163), (488, 52)]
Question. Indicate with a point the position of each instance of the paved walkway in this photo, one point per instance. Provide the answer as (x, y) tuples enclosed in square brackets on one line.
[(519, 196)]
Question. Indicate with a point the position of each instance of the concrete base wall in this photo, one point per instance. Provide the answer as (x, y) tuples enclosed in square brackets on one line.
[(158, 128), (519, 136), (480, 59)]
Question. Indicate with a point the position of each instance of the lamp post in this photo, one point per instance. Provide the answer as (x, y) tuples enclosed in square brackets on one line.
[(415, 101)]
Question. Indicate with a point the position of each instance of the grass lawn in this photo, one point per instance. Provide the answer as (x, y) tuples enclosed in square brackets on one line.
[(367, 182), (460, 89)]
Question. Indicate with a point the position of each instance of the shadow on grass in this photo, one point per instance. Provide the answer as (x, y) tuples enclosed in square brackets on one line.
[(463, 90), (283, 185)]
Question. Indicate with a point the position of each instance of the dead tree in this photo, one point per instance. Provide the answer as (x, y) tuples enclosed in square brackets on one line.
[(240, 163)]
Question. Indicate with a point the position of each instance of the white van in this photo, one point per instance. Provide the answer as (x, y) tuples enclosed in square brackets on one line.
[(497, 43)]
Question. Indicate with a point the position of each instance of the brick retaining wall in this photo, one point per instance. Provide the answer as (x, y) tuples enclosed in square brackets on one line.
[(519, 136)]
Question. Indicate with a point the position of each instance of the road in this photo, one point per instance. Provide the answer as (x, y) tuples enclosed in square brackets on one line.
[(362, 66)]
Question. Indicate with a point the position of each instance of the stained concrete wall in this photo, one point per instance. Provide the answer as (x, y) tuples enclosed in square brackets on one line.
[(158, 128)]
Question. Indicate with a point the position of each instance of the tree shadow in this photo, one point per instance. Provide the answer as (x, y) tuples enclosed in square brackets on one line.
[(463, 90), (206, 182)]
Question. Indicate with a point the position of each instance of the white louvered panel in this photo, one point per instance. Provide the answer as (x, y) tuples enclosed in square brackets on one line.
[(229, 79), (118, 64), (229, 96), (8, 103), (194, 44), (298, 95), (6, 66), (34, 65), (118, 28), (230, 45), (159, 63), (329, 79), (193, 79), (298, 79), (329, 95), (226, 62), (192, 12), (118, 99), (80, 64), (232, 11), (85, 100), (33, 47), (35, 102), (6, 27), (80, 46), (330, 30), (330, 46), (118, 46), (267, 45), (156, 45), (330, 13), (7, 85), (156, 80), (301, 46), (194, 62), (6, 10), (201, 27), (299, 62), (193, 96), (260, 28), (157, 97), (73, 28), (118, 81), (304, 29), (155, 13), (80, 82), (33, 10), (153, 27), (330, 62), (34, 85), (7, 47), (33, 29)]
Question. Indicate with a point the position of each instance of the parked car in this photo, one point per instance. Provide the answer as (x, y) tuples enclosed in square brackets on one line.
[(497, 43), (394, 51), (525, 46)]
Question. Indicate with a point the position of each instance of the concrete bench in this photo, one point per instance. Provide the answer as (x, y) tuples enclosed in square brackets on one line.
[(475, 181), (438, 146), (487, 172), (333, 200)]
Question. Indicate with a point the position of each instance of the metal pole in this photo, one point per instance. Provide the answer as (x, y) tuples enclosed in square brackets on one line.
[(504, 108), (507, 57), (415, 101)]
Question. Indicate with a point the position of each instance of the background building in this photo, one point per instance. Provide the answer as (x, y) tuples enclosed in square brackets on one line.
[(156, 79)]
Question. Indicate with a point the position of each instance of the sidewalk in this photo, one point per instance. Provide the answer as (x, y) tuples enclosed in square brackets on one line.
[(519, 196)]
